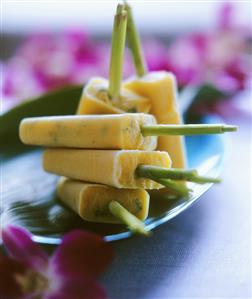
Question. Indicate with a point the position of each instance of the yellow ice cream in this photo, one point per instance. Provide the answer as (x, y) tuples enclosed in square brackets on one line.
[(118, 131), (95, 100), (109, 167), (160, 87), (91, 201)]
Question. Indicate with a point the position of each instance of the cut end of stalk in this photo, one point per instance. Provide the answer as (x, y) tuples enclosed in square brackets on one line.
[(121, 16), (132, 222), (204, 180), (229, 128), (126, 5), (120, 8), (121, 13)]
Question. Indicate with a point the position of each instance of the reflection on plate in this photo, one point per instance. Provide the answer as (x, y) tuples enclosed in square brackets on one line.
[(28, 194)]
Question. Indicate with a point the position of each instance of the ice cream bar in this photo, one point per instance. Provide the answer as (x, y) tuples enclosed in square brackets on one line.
[(118, 131), (110, 131), (91, 201), (95, 100), (109, 167), (160, 87)]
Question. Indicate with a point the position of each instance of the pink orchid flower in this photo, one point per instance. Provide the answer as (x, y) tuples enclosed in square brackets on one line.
[(185, 58), (69, 273), (225, 17), (156, 54), (45, 61)]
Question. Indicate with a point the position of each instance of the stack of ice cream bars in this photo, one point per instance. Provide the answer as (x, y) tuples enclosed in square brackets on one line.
[(119, 148)]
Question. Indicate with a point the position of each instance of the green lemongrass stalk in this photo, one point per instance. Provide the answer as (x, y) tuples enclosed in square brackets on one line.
[(176, 187), (135, 44), (117, 52), (132, 222), (195, 129), (156, 172)]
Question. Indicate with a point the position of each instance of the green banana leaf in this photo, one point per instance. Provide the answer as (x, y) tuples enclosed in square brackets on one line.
[(58, 102)]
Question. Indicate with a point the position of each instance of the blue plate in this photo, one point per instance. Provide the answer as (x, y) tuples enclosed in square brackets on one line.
[(29, 193)]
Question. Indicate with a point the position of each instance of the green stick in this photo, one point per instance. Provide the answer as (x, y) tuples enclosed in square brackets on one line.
[(133, 223), (135, 44), (117, 53), (161, 130), (156, 172)]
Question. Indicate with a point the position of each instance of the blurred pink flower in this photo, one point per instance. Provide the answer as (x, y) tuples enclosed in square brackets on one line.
[(156, 55), (69, 273), (220, 57), (55, 59), (186, 56), (225, 17), (46, 61)]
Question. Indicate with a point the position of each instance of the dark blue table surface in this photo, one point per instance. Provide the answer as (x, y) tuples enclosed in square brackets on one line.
[(204, 252)]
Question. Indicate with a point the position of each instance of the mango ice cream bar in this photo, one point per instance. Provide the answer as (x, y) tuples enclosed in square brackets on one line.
[(91, 201), (95, 100), (153, 93), (160, 87), (109, 167), (121, 131)]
